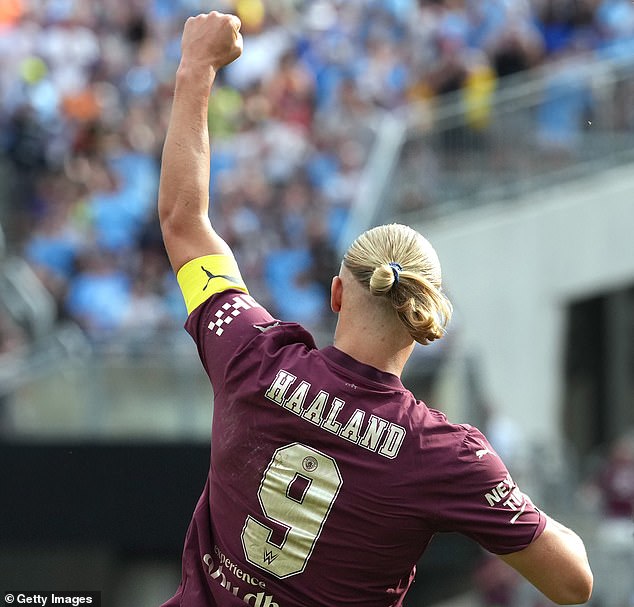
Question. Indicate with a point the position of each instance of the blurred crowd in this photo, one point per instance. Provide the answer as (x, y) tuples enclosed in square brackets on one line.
[(85, 92)]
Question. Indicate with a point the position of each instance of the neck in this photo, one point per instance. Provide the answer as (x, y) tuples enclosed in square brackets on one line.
[(368, 329), (374, 351)]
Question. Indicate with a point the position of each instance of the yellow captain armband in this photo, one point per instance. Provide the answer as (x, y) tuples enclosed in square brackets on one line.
[(202, 277)]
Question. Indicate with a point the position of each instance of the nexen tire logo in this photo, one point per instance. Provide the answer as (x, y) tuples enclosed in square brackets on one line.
[(508, 495)]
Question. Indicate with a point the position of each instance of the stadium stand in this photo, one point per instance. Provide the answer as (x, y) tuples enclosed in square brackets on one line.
[(333, 103), (86, 87)]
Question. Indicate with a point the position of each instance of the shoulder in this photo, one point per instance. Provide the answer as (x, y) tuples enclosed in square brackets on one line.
[(442, 435), (457, 450), (232, 331), (236, 322), (232, 311)]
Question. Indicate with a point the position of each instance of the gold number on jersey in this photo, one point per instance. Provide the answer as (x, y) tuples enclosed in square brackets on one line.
[(297, 491)]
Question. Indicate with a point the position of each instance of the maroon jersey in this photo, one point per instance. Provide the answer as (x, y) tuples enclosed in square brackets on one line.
[(327, 478)]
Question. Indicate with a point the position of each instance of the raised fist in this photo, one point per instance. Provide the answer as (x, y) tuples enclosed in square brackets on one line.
[(212, 40)]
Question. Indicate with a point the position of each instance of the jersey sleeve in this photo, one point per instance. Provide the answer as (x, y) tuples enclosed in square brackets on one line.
[(482, 501), (223, 317)]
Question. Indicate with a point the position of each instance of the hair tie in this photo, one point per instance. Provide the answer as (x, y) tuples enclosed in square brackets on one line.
[(396, 269)]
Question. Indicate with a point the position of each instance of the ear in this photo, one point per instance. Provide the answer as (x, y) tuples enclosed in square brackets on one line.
[(336, 292)]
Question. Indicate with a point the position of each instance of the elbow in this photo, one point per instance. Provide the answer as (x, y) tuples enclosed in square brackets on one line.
[(169, 228), (174, 221), (166, 220), (180, 217), (167, 212), (176, 205), (576, 591)]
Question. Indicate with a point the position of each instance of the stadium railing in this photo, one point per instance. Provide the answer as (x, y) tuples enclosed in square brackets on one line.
[(429, 160), (481, 145)]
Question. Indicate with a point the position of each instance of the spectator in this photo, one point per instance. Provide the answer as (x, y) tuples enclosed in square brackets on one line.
[(85, 93), (100, 295), (611, 489), (615, 481)]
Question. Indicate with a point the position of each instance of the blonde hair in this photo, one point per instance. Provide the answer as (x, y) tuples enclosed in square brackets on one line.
[(397, 263)]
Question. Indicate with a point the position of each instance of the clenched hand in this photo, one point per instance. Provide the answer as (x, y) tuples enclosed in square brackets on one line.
[(211, 40)]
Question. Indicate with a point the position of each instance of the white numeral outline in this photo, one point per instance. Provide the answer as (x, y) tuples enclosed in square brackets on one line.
[(302, 517)]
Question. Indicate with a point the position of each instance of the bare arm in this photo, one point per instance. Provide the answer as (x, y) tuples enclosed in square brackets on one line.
[(209, 42), (556, 564)]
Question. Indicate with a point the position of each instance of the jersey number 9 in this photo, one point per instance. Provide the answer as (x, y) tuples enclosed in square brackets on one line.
[(297, 492)]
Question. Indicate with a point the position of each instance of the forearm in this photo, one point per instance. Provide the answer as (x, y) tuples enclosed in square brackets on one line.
[(209, 42), (184, 184)]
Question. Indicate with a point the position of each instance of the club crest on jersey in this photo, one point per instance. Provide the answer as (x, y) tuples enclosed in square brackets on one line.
[(229, 311)]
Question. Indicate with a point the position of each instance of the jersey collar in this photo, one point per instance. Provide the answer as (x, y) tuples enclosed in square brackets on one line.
[(349, 364)]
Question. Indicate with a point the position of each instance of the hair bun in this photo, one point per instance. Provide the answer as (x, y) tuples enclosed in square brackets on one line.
[(383, 279), (414, 293)]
